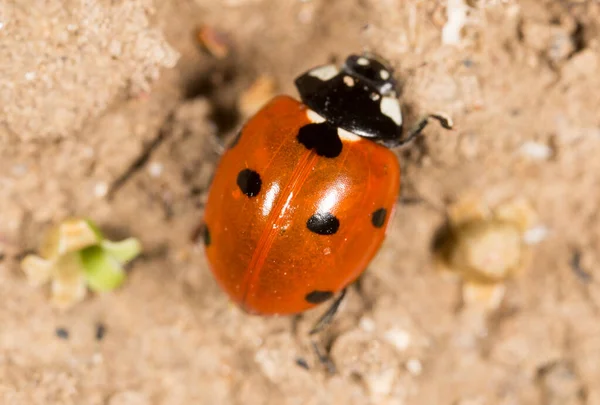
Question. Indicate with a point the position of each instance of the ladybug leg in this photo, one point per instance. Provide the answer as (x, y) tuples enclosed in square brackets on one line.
[(231, 141), (220, 145), (324, 359), (327, 317), (445, 122), (407, 200), (197, 233), (320, 325)]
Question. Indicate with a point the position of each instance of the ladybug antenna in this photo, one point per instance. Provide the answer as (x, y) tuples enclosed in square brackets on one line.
[(413, 69)]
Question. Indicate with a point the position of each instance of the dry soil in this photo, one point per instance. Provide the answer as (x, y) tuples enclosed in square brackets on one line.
[(110, 110)]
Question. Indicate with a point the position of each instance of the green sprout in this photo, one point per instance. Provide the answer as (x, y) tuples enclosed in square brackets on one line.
[(75, 256)]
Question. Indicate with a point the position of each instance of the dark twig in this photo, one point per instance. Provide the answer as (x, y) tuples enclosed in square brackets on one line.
[(144, 156)]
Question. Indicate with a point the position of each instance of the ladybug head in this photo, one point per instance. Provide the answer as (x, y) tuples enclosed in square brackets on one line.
[(374, 70), (359, 97)]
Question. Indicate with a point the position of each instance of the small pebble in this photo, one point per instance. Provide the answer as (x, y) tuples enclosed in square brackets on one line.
[(62, 333), (536, 150), (100, 331), (302, 363), (414, 366), (380, 383), (535, 235), (155, 169), (485, 246), (457, 12), (367, 324), (100, 189), (306, 13), (578, 269), (468, 63), (97, 359), (399, 338)]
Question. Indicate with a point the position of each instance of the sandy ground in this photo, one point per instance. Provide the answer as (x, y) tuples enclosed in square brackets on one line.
[(111, 111)]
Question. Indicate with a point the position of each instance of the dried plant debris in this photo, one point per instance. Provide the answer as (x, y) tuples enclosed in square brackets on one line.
[(213, 41), (261, 91), (485, 246), (75, 256)]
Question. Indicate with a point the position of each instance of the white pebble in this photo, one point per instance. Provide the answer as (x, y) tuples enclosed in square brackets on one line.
[(29, 76), (101, 189), (535, 235), (536, 150), (380, 384), (155, 169), (97, 359), (367, 324), (414, 366), (457, 18), (399, 338)]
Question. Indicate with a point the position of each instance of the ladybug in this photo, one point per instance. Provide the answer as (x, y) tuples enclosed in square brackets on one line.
[(301, 199)]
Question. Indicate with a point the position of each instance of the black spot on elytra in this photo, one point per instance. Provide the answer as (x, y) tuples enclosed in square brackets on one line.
[(323, 223), (249, 182), (206, 235), (378, 217), (323, 138), (317, 297)]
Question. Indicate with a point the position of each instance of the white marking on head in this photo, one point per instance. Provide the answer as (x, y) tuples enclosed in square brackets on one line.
[(387, 89), (363, 61), (391, 107), (314, 117), (384, 74), (324, 73), (375, 96), (348, 81), (347, 135)]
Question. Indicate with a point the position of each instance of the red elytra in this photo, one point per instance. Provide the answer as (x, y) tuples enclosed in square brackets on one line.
[(262, 250), (301, 200)]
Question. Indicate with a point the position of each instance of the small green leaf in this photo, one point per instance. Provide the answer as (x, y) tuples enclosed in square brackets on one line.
[(102, 271), (95, 229), (123, 251)]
